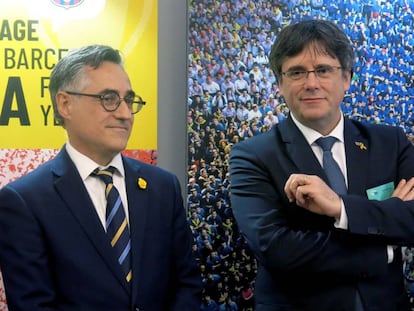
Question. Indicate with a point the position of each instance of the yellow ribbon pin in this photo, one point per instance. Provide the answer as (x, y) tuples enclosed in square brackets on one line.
[(142, 183), (361, 145)]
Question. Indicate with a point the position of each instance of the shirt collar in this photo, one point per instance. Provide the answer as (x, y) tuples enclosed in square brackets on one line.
[(311, 135), (86, 165)]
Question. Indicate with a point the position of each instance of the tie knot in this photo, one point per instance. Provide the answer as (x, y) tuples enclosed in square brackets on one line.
[(326, 143), (105, 175)]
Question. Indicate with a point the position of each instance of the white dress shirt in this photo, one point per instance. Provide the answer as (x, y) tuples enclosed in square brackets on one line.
[(338, 153), (95, 186)]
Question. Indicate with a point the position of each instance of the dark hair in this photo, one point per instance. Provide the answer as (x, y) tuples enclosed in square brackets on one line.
[(326, 35), (69, 70)]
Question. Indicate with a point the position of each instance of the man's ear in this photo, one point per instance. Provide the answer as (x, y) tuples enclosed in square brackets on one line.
[(63, 104)]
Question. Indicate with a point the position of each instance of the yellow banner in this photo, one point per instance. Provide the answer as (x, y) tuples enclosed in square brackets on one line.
[(34, 35)]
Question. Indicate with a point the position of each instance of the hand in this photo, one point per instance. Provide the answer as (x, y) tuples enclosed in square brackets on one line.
[(313, 194), (404, 190)]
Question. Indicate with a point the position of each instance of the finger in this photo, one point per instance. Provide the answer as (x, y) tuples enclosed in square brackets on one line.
[(400, 187), (404, 189), (288, 190), (300, 180), (410, 183), (290, 187), (409, 187), (294, 181), (301, 195)]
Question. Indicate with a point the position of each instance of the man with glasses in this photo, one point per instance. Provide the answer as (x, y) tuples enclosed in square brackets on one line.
[(326, 223), (92, 229)]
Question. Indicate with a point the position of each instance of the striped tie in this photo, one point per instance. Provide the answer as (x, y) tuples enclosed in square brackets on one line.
[(116, 222)]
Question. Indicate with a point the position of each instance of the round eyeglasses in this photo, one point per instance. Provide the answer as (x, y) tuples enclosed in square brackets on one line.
[(111, 100)]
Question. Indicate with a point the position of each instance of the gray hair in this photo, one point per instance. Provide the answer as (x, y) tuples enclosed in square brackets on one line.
[(69, 70)]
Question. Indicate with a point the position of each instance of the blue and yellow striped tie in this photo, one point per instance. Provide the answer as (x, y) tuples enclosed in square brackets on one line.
[(116, 222)]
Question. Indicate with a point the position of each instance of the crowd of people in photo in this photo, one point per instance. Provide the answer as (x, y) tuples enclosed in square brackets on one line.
[(233, 95)]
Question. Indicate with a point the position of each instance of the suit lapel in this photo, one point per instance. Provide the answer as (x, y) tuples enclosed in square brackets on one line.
[(357, 152), (138, 187), (298, 149), (70, 187)]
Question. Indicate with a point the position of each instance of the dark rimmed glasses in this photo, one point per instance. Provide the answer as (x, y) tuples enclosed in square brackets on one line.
[(322, 72), (111, 100)]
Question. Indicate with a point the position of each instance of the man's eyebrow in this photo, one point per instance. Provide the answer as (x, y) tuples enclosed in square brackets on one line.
[(107, 90), (296, 67), (301, 67)]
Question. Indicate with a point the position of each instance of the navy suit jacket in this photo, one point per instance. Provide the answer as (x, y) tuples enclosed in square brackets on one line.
[(54, 253), (304, 262)]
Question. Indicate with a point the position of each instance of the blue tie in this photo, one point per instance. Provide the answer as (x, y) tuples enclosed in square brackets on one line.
[(116, 223), (331, 167), (337, 182)]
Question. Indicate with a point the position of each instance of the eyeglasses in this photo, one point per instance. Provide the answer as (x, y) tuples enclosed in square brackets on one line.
[(111, 100), (323, 72)]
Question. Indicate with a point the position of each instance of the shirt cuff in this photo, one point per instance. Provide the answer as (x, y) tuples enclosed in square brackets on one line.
[(390, 253), (342, 221)]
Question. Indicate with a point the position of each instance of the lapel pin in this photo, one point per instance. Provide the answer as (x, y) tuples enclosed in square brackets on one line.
[(361, 145), (142, 183)]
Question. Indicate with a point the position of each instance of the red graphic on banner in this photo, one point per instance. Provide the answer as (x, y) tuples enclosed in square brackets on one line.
[(15, 163)]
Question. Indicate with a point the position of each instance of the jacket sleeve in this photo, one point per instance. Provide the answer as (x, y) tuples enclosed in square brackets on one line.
[(27, 278), (287, 239)]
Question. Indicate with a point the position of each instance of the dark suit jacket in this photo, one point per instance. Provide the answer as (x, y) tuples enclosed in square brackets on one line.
[(304, 262), (54, 253)]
